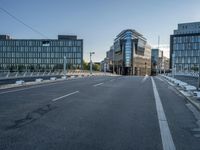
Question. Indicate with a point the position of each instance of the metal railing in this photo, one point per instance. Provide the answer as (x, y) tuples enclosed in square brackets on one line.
[(9, 75), (189, 74)]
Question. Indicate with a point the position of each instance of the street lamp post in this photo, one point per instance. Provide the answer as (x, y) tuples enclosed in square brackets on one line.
[(113, 61), (64, 69), (145, 68), (161, 66), (199, 79), (173, 63), (91, 53)]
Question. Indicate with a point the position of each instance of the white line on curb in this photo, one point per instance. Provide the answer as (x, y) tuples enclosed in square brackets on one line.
[(98, 84), (166, 136), (65, 96)]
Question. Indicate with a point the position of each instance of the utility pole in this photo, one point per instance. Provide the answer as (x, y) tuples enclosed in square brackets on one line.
[(64, 69), (173, 65), (161, 65), (158, 55), (164, 65), (91, 53), (199, 78), (145, 68), (113, 61)]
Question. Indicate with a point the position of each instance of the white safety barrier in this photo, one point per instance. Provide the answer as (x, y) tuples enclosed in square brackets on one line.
[(19, 82), (184, 86), (72, 76), (64, 77), (197, 94), (38, 80), (190, 88), (53, 78)]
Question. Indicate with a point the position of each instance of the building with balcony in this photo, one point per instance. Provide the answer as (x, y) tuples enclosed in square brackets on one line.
[(185, 47), (132, 54), (37, 54)]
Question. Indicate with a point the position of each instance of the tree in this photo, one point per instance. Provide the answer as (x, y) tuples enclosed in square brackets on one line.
[(86, 65), (96, 67)]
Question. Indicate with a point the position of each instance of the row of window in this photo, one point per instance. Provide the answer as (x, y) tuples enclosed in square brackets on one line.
[(188, 67), (40, 55), (187, 60), (186, 39), (40, 49), (186, 46), (40, 43), (187, 53)]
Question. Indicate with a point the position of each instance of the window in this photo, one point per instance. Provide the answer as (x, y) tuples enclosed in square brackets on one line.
[(45, 43)]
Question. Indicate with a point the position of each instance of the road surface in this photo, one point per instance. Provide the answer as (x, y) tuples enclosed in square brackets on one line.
[(98, 113)]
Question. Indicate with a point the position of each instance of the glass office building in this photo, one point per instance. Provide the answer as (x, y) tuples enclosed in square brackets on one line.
[(185, 47), (156, 59), (132, 54), (37, 54)]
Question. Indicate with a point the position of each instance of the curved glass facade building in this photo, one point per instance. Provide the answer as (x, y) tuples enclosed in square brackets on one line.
[(132, 54)]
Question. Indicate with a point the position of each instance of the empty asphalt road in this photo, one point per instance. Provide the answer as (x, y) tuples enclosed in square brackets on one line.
[(98, 113)]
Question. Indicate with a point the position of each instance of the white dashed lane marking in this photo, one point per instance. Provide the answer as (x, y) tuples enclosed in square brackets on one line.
[(98, 84), (65, 96)]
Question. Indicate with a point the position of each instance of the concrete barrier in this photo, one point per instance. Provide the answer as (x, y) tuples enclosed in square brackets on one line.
[(72, 76), (190, 88), (19, 82), (39, 80), (180, 83), (53, 78), (197, 94), (64, 77)]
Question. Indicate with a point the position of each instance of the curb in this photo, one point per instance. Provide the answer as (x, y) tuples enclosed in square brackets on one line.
[(195, 104)]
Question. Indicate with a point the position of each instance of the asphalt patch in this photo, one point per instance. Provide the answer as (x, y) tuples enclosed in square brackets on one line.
[(31, 117)]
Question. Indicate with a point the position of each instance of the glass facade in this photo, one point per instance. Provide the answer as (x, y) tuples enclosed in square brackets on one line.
[(186, 50), (128, 49), (40, 54), (185, 47), (158, 61), (132, 54)]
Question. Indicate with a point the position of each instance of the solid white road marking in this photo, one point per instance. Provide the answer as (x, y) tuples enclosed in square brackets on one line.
[(98, 84), (166, 136), (65, 96)]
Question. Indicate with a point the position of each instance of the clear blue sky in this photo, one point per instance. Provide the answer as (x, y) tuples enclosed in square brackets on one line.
[(97, 21)]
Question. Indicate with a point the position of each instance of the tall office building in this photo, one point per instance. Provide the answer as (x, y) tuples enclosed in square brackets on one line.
[(28, 54), (156, 60), (185, 47), (132, 54), (159, 63)]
